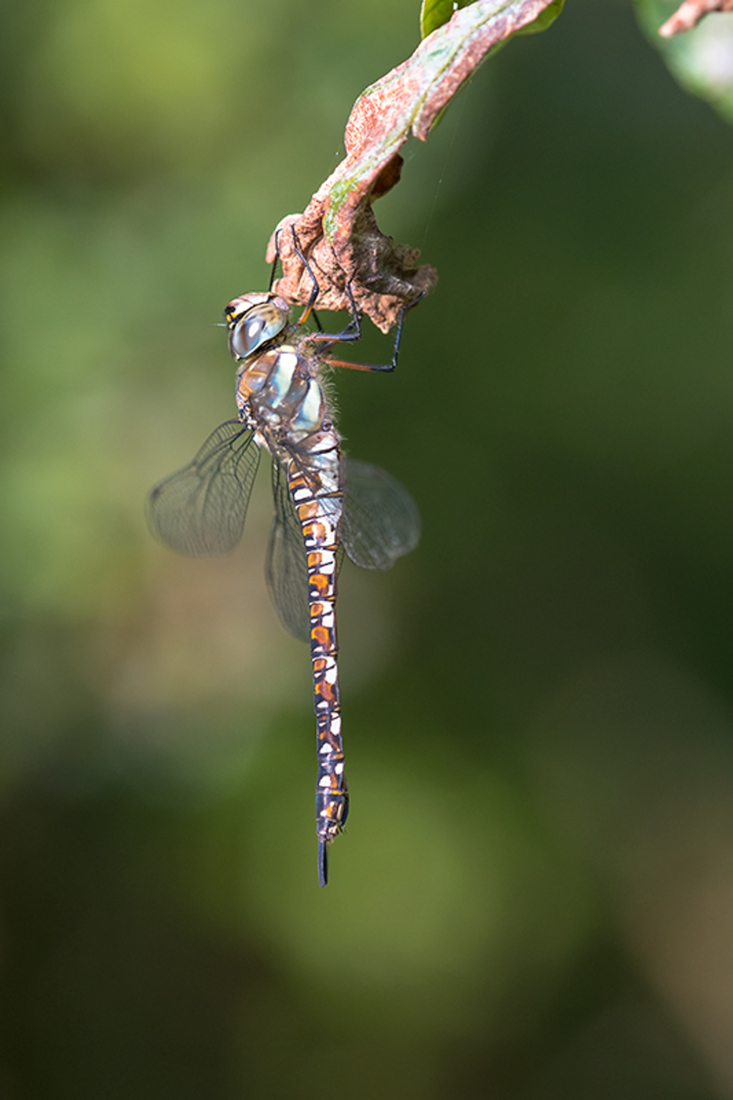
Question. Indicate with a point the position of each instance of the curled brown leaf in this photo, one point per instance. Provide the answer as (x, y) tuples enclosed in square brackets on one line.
[(338, 232)]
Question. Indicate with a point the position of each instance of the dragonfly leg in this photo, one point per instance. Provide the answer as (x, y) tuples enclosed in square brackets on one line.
[(350, 333), (348, 365), (275, 261), (384, 368), (396, 350), (316, 288), (353, 328)]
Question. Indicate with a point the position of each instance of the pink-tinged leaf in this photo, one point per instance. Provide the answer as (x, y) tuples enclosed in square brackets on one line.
[(338, 232)]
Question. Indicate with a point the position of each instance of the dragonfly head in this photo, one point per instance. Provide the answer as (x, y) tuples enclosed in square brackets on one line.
[(253, 320)]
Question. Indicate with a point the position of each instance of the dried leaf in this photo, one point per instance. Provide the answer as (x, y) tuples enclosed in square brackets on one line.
[(338, 232), (689, 14), (702, 58)]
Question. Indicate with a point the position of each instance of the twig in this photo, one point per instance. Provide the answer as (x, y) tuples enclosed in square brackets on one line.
[(689, 14)]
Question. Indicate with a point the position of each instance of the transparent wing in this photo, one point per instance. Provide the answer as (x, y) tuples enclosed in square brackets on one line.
[(201, 508), (380, 521), (287, 565)]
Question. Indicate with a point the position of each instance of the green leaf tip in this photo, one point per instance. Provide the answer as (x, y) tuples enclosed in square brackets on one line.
[(434, 13)]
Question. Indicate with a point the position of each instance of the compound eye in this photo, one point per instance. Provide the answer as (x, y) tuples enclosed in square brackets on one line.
[(259, 324)]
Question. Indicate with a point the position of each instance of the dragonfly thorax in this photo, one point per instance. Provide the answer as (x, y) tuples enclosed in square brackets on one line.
[(279, 390), (253, 321)]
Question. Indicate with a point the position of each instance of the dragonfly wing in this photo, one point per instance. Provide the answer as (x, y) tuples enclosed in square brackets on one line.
[(201, 508), (287, 564), (380, 521)]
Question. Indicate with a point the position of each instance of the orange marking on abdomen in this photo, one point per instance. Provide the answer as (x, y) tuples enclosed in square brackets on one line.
[(325, 691), (321, 634), (315, 530)]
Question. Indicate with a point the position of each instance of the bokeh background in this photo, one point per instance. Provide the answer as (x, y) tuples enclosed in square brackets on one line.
[(534, 897)]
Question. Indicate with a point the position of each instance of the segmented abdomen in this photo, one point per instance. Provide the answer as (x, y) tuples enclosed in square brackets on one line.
[(317, 494)]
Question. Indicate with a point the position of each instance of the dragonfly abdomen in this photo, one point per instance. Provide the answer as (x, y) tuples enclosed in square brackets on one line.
[(319, 509), (280, 396)]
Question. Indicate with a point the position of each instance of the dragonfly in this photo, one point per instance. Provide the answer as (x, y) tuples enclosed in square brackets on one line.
[(325, 504)]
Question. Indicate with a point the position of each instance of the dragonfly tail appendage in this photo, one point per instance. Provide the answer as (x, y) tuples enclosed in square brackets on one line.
[(319, 518), (322, 862)]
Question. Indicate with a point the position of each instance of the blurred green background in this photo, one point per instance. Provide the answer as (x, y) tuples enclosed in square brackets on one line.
[(534, 898)]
